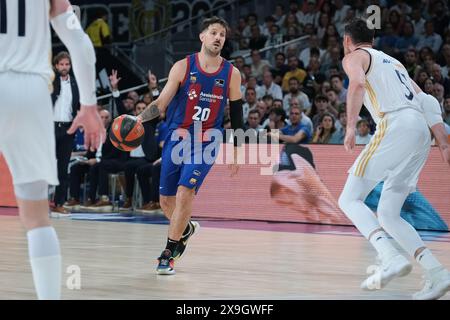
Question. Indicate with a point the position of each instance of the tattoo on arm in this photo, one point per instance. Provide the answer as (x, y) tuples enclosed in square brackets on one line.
[(150, 113)]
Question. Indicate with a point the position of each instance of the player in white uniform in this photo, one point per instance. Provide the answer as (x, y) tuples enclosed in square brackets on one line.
[(27, 134), (396, 154)]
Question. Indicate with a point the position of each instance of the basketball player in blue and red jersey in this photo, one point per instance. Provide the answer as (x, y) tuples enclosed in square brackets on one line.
[(195, 95)]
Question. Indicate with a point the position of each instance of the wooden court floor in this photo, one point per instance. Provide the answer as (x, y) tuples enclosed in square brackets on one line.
[(118, 260)]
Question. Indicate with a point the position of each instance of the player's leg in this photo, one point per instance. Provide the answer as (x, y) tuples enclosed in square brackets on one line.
[(28, 146), (351, 202), (390, 263), (391, 201), (43, 244)]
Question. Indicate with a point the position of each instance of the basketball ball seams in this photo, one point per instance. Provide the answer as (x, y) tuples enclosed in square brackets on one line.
[(126, 133)]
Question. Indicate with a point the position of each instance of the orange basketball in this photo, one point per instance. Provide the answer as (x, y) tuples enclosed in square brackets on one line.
[(126, 133)]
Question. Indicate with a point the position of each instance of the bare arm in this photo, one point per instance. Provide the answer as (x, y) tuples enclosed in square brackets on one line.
[(354, 65), (159, 106), (58, 7)]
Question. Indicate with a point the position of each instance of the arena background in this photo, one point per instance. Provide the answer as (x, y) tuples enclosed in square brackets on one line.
[(247, 195)]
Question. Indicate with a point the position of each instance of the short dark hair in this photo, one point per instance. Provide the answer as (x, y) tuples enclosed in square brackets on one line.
[(214, 19), (336, 76), (321, 97), (60, 56), (253, 111), (359, 32)]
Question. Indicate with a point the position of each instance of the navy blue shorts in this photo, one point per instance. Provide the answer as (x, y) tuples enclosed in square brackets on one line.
[(184, 165)]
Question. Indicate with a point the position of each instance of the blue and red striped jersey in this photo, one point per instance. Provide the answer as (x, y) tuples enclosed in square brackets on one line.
[(201, 97)]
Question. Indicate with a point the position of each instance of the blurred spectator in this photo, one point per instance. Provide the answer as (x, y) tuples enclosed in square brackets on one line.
[(446, 61), (330, 39), (438, 93), (258, 65), (253, 120), (401, 8), (326, 132), (309, 15), (331, 60), (257, 41), (305, 120), (430, 38), (322, 24), (66, 103), (273, 39), (280, 68), (294, 71), (446, 114), (268, 100), (268, 87), (321, 104), (363, 135), (252, 20), (440, 17), (125, 106), (276, 120), (293, 10), (314, 77), (421, 77), (333, 101), (269, 22), (338, 86), (290, 21), (146, 153), (100, 35), (263, 110), (428, 86), (341, 125), (278, 13), (418, 22), (296, 93), (410, 62), (340, 14), (436, 75), (152, 171), (407, 40), (90, 167), (239, 63), (296, 132), (387, 41), (250, 102), (305, 54), (396, 20)]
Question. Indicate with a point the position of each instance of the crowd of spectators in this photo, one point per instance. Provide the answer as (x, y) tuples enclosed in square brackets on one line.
[(308, 75)]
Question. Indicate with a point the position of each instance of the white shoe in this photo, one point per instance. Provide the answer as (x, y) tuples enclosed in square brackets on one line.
[(385, 271), (437, 283)]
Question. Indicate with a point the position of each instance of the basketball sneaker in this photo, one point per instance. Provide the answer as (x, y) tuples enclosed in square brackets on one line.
[(165, 263), (195, 226), (437, 283), (386, 270)]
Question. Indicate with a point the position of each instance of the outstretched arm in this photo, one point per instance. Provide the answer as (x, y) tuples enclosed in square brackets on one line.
[(159, 106), (354, 64)]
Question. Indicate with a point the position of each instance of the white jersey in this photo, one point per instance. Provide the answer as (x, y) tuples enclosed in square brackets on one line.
[(388, 86), (25, 39)]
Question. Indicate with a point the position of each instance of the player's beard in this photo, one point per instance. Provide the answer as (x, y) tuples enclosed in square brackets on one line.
[(212, 51)]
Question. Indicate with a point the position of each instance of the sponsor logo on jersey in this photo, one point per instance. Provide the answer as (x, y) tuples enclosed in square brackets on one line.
[(196, 173), (192, 94), (193, 181), (386, 61), (209, 97), (219, 82), (193, 79)]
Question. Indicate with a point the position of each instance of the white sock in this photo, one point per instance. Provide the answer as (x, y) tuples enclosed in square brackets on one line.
[(427, 260), (45, 259), (381, 243)]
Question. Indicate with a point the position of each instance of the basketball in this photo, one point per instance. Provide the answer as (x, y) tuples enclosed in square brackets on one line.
[(126, 133)]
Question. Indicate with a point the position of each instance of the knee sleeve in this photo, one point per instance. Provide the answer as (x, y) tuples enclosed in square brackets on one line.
[(32, 191)]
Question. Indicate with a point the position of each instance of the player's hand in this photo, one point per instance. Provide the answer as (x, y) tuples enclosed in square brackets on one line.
[(114, 80), (234, 167), (445, 152), (349, 141), (94, 131)]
